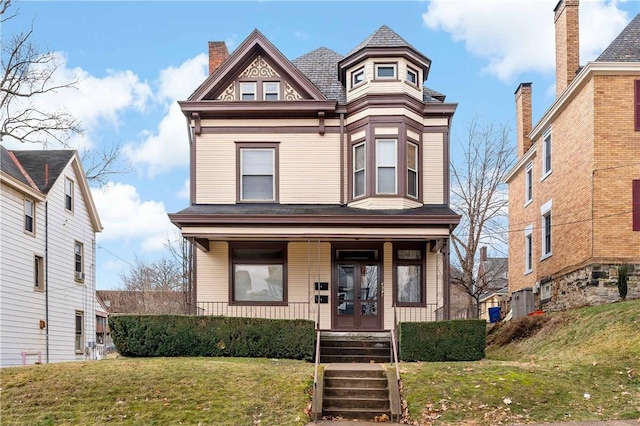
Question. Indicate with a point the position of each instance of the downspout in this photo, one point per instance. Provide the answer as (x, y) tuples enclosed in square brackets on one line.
[(447, 278), (342, 165), (46, 276)]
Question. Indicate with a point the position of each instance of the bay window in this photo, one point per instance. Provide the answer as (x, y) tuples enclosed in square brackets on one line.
[(386, 166), (359, 169), (412, 170)]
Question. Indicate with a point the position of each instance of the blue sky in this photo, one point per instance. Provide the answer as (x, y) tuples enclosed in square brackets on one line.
[(133, 60)]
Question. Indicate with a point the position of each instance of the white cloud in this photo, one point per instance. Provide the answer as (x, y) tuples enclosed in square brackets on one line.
[(185, 191), (518, 36), (93, 100), (125, 216), (167, 147)]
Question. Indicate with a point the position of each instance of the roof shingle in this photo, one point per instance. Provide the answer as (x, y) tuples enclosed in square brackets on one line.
[(625, 47)]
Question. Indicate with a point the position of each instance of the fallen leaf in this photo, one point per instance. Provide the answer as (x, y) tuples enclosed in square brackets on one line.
[(507, 401)]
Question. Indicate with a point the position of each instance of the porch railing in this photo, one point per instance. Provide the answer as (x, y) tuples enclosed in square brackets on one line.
[(416, 314), (293, 310)]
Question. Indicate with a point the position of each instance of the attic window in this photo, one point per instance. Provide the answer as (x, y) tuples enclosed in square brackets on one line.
[(271, 91), (385, 71), (248, 91)]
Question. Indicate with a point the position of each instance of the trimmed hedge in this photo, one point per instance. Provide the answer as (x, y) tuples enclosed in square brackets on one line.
[(180, 335), (458, 340)]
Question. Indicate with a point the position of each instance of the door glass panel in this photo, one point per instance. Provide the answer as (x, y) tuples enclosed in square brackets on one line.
[(346, 274), (369, 282), (369, 308)]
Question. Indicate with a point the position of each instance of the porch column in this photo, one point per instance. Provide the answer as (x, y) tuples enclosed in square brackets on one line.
[(446, 282)]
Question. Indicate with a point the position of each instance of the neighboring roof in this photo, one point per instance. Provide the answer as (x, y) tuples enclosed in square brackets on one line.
[(8, 166), (625, 47), (382, 37), (430, 95), (44, 167), (321, 67)]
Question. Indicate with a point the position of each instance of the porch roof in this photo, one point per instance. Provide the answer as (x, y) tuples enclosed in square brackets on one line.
[(310, 215)]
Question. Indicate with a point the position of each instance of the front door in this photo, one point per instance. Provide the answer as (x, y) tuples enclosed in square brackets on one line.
[(357, 295)]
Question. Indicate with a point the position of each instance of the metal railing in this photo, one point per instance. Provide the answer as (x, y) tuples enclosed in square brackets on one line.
[(293, 310), (394, 349), (426, 313), (316, 396)]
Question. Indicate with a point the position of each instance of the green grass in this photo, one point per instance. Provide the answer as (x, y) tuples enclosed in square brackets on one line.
[(158, 391), (543, 377)]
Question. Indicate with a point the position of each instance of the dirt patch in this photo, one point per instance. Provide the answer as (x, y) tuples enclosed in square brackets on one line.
[(504, 333)]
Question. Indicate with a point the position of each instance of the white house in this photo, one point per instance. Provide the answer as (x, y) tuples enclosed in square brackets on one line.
[(48, 223)]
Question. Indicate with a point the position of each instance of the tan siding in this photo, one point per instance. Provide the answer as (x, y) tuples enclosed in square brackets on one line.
[(413, 135), (383, 111), (386, 131), (385, 203), (249, 233), (436, 121), (213, 273), (358, 135), (216, 169), (387, 265), (432, 168)]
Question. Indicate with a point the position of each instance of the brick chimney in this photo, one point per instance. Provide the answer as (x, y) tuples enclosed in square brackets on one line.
[(218, 52), (567, 43), (483, 254), (523, 117)]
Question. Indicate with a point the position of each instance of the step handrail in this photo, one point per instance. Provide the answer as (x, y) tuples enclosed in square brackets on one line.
[(397, 367), (315, 401)]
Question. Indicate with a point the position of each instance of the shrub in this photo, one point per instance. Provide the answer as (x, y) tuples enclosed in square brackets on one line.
[(458, 340), (178, 335), (623, 276)]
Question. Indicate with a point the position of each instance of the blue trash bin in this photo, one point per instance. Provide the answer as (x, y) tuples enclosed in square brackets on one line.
[(494, 314)]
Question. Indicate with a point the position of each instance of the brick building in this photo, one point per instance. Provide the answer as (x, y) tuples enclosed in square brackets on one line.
[(574, 194)]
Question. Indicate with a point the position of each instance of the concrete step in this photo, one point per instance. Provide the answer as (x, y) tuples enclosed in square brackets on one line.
[(358, 383)]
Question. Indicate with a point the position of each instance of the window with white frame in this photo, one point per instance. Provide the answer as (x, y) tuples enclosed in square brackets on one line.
[(546, 154), (248, 91), (386, 166), (359, 169), (78, 261), (385, 71), (412, 170), (68, 194), (546, 227), (271, 91), (258, 173), (528, 184), (528, 249), (412, 76), (357, 77), (29, 215), (258, 273), (79, 332), (38, 273)]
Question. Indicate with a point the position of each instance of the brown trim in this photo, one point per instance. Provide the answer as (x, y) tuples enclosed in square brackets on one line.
[(256, 109), (192, 163), (259, 244), (635, 200), (201, 243), (410, 245), (268, 129), (637, 104), (276, 172), (406, 52), (196, 118), (321, 123), (446, 282), (343, 169), (447, 168)]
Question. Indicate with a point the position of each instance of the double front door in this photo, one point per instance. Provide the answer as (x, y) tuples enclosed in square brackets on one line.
[(357, 295)]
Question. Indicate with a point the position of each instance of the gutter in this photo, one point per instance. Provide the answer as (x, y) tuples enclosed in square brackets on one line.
[(46, 276)]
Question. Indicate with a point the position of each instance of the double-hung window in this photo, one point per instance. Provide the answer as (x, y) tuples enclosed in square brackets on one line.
[(409, 269), (635, 208), (528, 249), (359, 169), (546, 154), (271, 91), (545, 212), (29, 215), (79, 332), (78, 261), (412, 170), (528, 184), (258, 273), (248, 91), (386, 160), (258, 166), (38, 273), (68, 194)]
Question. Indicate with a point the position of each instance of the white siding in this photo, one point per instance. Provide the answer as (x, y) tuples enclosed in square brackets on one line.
[(22, 307), (433, 168)]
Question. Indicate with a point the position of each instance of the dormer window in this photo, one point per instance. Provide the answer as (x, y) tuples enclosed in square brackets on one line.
[(357, 77), (412, 76), (385, 71), (248, 91), (271, 91)]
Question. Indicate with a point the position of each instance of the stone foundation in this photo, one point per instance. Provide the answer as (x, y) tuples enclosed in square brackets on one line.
[(592, 285)]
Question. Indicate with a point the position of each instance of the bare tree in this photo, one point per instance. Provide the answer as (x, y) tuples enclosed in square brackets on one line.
[(155, 287), (27, 74), (479, 195)]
